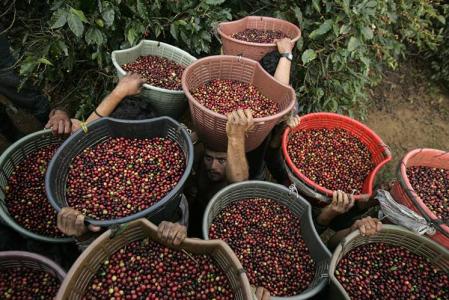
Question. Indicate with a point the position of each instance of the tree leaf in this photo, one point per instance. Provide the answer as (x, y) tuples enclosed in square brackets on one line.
[(75, 24), (93, 35), (367, 33), (214, 2), (174, 31), (441, 19), (298, 15), (344, 29), (58, 19), (79, 13), (108, 16), (27, 68), (141, 9), (63, 47), (353, 44), (308, 56), (45, 61), (132, 35), (324, 28), (316, 5)]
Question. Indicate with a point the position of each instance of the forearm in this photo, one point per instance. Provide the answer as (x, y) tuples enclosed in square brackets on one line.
[(107, 106), (237, 166), (282, 73), (325, 217), (337, 237)]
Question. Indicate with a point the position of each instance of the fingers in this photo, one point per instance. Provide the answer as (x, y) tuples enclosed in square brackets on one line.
[(94, 228), (67, 126), (171, 234), (368, 226), (351, 202), (241, 117), (262, 293), (71, 222), (161, 229)]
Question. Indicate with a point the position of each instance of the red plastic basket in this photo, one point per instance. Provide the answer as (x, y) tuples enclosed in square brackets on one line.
[(404, 193), (211, 126), (256, 51), (380, 154)]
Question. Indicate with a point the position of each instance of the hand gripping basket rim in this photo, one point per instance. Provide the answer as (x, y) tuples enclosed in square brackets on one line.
[(125, 232), (411, 193), (313, 184), (142, 213), (22, 256), (142, 42), (222, 34), (5, 215), (393, 229), (223, 117), (270, 186)]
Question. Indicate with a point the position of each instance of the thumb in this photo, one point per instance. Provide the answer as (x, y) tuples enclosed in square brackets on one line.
[(94, 228)]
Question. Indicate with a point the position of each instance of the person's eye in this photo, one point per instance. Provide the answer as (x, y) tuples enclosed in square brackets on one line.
[(222, 161)]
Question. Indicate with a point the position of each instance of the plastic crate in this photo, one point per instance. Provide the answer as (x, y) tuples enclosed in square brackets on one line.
[(256, 51), (77, 280), (404, 193), (99, 131), (211, 126), (380, 153), (393, 235), (9, 160), (297, 205), (166, 102)]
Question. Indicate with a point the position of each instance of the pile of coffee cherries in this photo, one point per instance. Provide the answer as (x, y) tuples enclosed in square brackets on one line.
[(27, 283), (266, 237), (145, 269), (26, 200), (157, 71), (225, 96), (383, 271), (259, 36), (332, 158), (122, 176), (432, 186)]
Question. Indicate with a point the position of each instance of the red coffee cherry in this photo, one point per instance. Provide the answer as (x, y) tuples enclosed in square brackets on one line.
[(259, 35)]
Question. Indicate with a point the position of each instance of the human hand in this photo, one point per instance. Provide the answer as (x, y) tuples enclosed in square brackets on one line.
[(341, 203), (293, 121), (367, 226), (262, 294), (128, 85), (171, 234), (71, 223), (285, 45), (239, 122), (59, 122)]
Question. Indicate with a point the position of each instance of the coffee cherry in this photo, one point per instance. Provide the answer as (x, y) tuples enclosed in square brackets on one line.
[(225, 96), (432, 186), (26, 200), (383, 271), (266, 237), (25, 283), (122, 176), (332, 158), (144, 269), (157, 71), (259, 35)]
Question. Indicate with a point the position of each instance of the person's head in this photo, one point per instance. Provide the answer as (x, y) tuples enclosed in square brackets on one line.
[(133, 108), (215, 164), (270, 62)]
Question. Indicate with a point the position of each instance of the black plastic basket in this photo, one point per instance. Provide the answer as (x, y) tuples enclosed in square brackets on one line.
[(298, 206), (102, 129)]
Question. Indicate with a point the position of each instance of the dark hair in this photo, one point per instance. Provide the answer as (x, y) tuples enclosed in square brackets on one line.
[(270, 61), (133, 108)]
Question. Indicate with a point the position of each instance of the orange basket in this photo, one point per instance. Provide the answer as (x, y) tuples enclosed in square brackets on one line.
[(211, 126), (404, 193), (256, 51), (380, 154)]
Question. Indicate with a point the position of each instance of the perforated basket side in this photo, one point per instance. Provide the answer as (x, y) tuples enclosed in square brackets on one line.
[(298, 206), (9, 161)]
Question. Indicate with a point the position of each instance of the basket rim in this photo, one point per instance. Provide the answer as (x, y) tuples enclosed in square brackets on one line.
[(410, 191), (195, 102), (321, 189), (10, 221), (150, 42), (242, 20), (385, 228), (139, 214), (61, 274)]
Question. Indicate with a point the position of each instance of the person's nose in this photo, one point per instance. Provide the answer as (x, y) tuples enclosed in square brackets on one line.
[(215, 164)]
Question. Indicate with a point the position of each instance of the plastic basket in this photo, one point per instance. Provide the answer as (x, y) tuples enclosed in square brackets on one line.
[(108, 243), (380, 154), (166, 102), (9, 161), (393, 235), (404, 193), (256, 51), (99, 131), (298, 206), (211, 126)]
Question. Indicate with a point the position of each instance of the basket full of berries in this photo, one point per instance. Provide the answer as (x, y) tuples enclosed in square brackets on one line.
[(161, 66)]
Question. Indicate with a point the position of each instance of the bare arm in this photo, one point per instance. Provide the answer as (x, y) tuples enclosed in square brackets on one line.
[(282, 73)]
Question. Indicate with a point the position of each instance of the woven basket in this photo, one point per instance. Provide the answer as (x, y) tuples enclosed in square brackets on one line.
[(404, 193), (393, 235), (380, 154), (211, 126), (256, 51), (9, 160), (13, 259), (165, 102), (99, 131), (298, 206), (75, 284)]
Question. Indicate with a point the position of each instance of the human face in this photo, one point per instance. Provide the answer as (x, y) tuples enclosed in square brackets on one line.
[(215, 163)]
